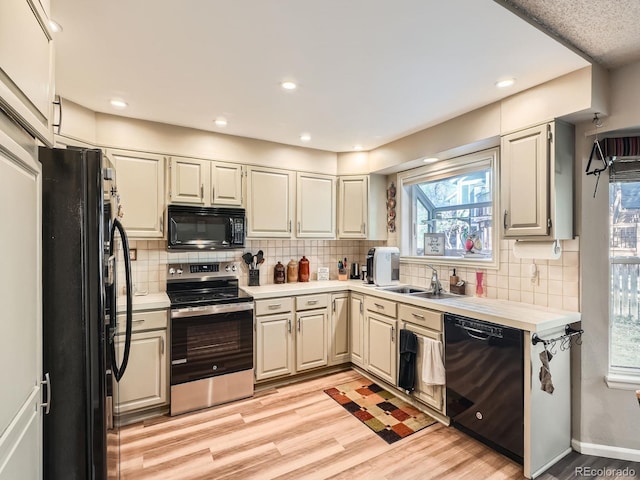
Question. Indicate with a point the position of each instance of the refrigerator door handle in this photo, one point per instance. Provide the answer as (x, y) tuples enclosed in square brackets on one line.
[(118, 372), (47, 381)]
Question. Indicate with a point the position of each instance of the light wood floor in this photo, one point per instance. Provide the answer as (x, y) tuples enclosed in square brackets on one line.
[(298, 432)]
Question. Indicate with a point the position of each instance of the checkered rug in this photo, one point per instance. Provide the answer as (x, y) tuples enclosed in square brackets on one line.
[(384, 413)]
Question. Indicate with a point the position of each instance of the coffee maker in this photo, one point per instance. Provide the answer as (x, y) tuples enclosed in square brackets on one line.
[(383, 266)]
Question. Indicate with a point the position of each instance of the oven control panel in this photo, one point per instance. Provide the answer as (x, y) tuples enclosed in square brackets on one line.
[(199, 270)]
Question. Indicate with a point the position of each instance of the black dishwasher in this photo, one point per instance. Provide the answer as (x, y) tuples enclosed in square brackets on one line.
[(485, 382)]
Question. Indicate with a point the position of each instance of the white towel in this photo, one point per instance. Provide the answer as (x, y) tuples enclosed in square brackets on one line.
[(432, 365)]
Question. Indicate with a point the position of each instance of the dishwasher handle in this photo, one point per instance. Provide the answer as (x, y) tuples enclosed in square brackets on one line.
[(475, 330)]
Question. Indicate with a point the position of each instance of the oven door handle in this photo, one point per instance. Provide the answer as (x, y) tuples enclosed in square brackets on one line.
[(211, 309)]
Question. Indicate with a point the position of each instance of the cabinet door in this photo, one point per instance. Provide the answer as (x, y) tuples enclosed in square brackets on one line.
[(525, 182), (226, 184), (353, 207), (339, 341), (381, 346), (140, 180), (144, 383), (270, 202), (188, 180), (432, 395), (311, 339), (21, 300), (356, 329), (316, 206), (27, 57), (274, 346)]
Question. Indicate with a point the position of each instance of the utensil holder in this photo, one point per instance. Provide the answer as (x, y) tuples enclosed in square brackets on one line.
[(254, 277), (342, 274)]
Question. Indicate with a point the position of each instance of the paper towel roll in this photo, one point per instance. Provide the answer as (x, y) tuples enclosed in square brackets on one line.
[(550, 250)]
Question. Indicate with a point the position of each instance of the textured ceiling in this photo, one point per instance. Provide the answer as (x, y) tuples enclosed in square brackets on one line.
[(608, 31)]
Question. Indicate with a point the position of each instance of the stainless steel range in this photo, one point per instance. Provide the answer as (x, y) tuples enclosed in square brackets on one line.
[(211, 336)]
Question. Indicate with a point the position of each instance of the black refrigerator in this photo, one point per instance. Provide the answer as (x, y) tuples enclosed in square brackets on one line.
[(82, 243)]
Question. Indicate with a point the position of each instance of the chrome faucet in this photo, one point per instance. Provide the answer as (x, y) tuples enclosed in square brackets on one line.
[(436, 288)]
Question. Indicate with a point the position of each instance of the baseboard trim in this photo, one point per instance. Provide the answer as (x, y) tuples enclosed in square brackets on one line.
[(607, 451)]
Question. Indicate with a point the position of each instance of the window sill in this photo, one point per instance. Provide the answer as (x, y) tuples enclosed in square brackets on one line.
[(620, 381), (488, 264)]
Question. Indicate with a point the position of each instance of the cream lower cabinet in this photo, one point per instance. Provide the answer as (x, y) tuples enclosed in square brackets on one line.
[(339, 334), (292, 335), (356, 328), (140, 183), (426, 325), (380, 338), (145, 383)]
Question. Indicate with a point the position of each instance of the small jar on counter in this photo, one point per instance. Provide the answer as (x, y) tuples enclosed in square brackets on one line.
[(303, 270), (292, 271), (278, 273)]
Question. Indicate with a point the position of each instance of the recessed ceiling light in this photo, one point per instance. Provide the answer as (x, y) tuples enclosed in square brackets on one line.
[(357, 148), (507, 82), (305, 137), (221, 122), (55, 26), (288, 85), (118, 103), (430, 160)]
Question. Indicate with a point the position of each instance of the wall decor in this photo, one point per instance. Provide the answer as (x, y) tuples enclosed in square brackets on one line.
[(434, 244), (391, 208)]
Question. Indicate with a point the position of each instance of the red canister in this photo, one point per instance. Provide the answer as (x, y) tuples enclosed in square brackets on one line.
[(303, 269)]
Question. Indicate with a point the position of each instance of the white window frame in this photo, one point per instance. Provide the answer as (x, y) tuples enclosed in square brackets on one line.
[(623, 378), (435, 171)]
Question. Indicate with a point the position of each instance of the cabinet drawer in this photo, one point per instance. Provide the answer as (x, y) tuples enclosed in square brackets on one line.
[(380, 305), (420, 316), (274, 305), (151, 320), (309, 302)]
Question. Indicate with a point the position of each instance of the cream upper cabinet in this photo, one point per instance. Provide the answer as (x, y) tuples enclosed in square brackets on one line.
[(205, 182), (356, 328), (269, 202), (536, 181), (339, 341), (189, 179), (140, 181), (226, 184), (27, 58), (316, 206), (362, 207)]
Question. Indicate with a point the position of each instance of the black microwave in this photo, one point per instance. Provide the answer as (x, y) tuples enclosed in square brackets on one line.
[(204, 228)]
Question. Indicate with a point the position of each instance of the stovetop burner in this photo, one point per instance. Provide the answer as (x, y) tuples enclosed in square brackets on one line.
[(191, 285)]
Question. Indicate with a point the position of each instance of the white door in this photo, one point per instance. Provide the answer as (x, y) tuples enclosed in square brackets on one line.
[(270, 202), (316, 206), (21, 300)]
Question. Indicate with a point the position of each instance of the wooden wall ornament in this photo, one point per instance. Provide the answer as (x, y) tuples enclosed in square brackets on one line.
[(391, 208)]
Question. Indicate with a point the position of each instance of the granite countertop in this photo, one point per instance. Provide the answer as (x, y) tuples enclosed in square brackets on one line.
[(523, 316), (151, 301)]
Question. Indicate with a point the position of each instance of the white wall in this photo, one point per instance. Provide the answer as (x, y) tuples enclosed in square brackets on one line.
[(602, 416)]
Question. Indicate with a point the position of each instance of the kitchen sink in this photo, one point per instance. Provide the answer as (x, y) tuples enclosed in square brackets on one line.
[(434, 296), (404, 290)]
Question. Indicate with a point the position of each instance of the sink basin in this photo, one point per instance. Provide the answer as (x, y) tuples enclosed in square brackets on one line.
[(404, 290), (433, 296)]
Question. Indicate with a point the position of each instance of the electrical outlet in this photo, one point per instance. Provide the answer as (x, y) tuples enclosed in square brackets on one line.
[(133, 254)]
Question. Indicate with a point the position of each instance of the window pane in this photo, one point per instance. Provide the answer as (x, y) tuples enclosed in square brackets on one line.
[(460, 207), (624, 203)]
